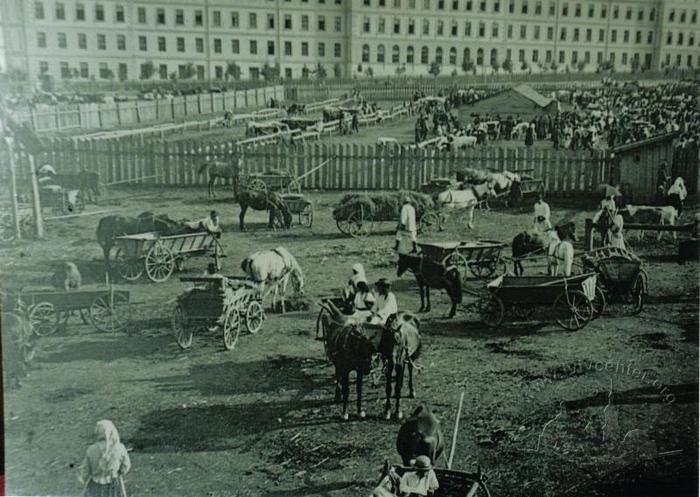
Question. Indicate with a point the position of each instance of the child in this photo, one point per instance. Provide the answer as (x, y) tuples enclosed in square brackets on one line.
[(105, 462)]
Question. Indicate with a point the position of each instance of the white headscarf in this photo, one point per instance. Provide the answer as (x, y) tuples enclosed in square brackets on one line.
[(105, 430), (358, 274)]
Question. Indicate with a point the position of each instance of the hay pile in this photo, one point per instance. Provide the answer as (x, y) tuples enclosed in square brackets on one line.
[(382, 206), (472, 176)]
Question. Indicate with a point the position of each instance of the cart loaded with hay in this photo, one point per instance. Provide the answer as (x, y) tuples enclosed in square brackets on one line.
[(357, 213)]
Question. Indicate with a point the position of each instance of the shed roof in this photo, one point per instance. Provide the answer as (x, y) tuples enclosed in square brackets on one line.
[(531, 94)]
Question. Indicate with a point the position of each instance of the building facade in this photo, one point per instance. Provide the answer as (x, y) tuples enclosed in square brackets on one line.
[(216, 39)]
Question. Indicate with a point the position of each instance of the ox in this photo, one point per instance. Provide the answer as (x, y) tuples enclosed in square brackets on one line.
[(647, 214)]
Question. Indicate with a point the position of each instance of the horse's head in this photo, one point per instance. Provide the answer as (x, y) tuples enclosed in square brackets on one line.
[(404, 264), (395, 338), (567, 231)]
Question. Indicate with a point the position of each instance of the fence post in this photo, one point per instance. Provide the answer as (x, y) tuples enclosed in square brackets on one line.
[(36, 201)]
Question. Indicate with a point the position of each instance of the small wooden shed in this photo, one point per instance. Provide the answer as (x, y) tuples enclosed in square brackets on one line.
[(522, 101)]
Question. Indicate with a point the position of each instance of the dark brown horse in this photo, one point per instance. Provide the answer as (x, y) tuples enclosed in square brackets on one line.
[(432, 275), (110, 227), (262, 200), (420, 435), (400, 346), (350, 348)]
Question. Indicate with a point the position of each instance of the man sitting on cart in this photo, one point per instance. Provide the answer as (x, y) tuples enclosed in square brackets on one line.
[(385, 306), (210, 224)]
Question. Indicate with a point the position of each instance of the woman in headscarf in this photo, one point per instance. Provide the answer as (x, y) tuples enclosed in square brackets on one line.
[(106, 461), (358, 276), (677, 195)]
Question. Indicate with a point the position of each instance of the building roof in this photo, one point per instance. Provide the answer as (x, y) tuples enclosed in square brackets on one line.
[(629, 147), (531, 94)]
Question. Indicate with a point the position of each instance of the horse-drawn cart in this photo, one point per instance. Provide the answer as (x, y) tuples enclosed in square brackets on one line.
[(452, 483), (106, 309), (566, 299), (621, 278), (301, 206), (273, 182), (481, 258), (159, 255), (218, 302)]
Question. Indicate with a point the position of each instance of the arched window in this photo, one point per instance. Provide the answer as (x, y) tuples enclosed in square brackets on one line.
[(395, 54), (453, 56), (494, 57), (424, 57), (438, 55), (380, 54), (466, 56), (480, 57), (365, 53), (410, 55)]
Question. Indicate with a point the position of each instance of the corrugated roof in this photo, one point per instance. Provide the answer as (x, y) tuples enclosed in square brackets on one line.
[(529, 93)]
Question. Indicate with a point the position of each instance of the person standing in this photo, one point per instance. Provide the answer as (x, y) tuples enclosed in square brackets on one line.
[(677, 195), (615, 237), (105, 463), (530, 135), (406, 232), (355, 123), (542, 215)]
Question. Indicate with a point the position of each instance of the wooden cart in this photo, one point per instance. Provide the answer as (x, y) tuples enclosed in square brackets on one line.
[(481, 258), (218, 303), (452, 483), (301, 206), (159, 255)]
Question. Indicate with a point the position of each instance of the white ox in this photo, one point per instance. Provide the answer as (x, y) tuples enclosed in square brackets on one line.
[(459, 142), (648, 214)]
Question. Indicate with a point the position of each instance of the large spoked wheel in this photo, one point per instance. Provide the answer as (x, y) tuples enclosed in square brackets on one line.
[(294, 186), (460, 262), (634, 301), (599, 302), (485, 268), (110, 312), (355, 225), (159, 263), (181, 328), (254, 317), (430, 222), (43, 318), (491, 310), (306, 215), (257, 185), (129, 268), (232, 328), (573, 310)]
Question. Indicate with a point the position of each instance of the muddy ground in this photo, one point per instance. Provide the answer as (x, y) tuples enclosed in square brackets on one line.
[(539, 416)]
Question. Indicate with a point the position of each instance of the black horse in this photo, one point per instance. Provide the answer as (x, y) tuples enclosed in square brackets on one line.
[(429, 275), (262, 200), (527, 244)]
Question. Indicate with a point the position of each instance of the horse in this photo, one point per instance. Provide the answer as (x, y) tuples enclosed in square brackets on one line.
[(561, 253), (350, 348), (525, 244), (458, 142), (262, 201), (110, 227), (400, 346), (603, 226), (465, 199), (420, 435), (429, 275), (519, 130), (276, 267), (87, 182), (218, 169)]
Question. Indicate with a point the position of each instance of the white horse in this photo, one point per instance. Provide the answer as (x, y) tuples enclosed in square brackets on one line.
[(519, 130), (560, 255), (464, 199), (275, 267), (462, 142)]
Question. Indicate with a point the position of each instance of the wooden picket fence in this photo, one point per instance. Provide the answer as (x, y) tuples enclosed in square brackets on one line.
[(351, 166)]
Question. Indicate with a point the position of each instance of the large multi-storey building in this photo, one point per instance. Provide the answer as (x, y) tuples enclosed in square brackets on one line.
[(131, 39)]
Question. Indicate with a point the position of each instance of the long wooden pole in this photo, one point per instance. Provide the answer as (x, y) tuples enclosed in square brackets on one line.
[(454, 433), (36, 202), (13, 191)]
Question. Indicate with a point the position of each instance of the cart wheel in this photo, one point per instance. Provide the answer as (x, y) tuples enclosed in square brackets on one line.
[(294, 186), (44, 319), (306, 216), (638, 292), (110, 312), (430, 222), (599, 302), (484, 269), (254, 317), (573, 310), (491, 310), (181, 328), (159, 263), (257, 185), (232, 328), (355, 225), (460, 262), (129, 268)]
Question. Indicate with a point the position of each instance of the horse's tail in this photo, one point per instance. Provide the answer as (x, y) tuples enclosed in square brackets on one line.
[(246, 266), (203, 168)]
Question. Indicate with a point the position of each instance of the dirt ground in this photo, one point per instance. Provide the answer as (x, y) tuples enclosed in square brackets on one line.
[(608, 410)]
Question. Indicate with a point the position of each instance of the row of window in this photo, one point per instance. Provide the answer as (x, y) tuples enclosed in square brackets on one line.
[(482, 6)]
